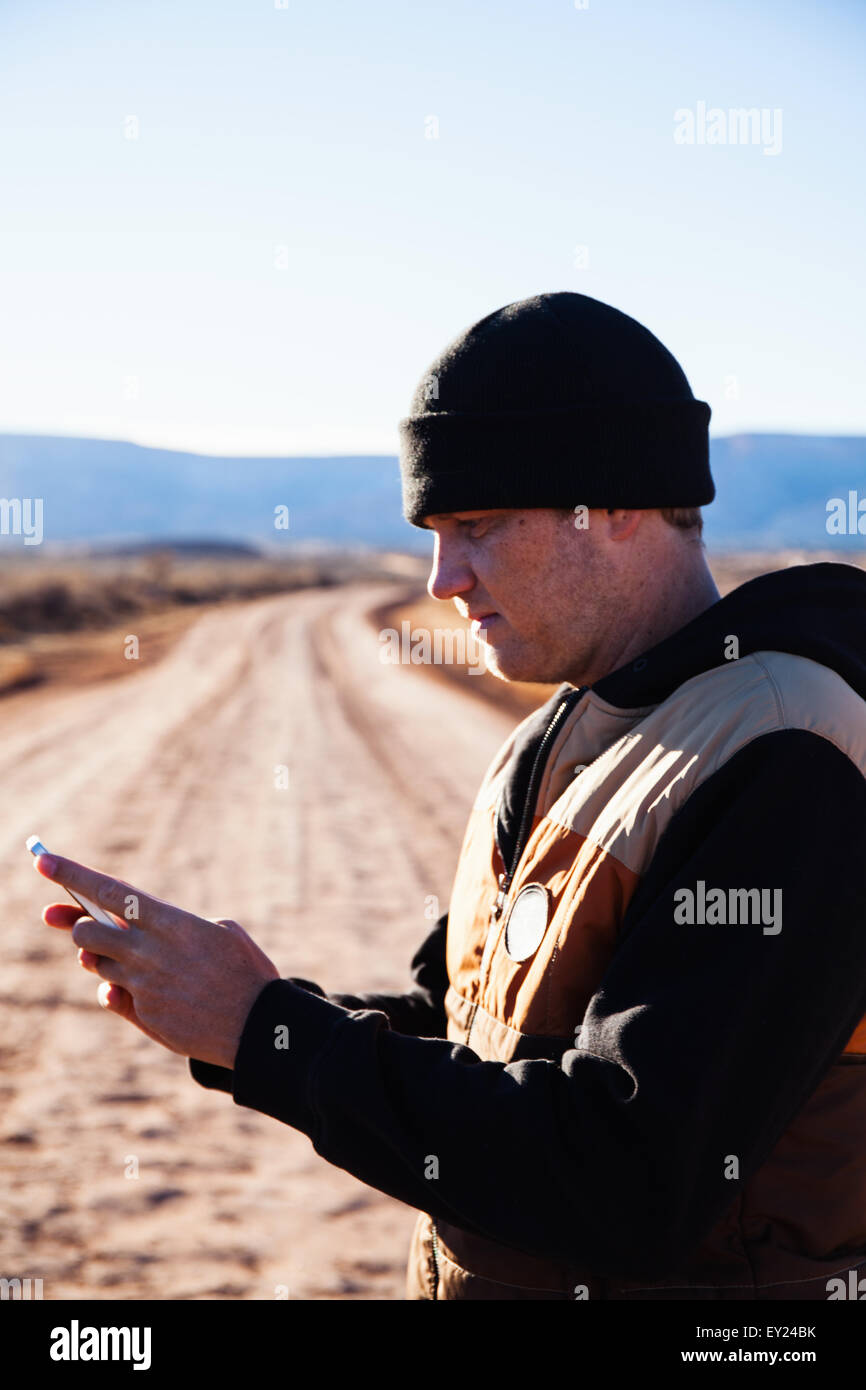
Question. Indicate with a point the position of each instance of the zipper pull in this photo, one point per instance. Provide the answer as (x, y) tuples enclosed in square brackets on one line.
[(499, 900)]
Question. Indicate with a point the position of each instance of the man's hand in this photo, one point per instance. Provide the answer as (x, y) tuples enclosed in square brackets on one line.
[(187, 982)]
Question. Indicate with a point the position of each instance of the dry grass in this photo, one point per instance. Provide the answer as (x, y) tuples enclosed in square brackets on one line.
[(65, 620), (46, 596)]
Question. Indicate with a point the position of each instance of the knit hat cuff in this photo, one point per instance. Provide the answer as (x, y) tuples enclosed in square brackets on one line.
[(642, 455)]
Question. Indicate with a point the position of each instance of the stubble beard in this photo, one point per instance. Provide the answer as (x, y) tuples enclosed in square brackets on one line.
[(523, 667)]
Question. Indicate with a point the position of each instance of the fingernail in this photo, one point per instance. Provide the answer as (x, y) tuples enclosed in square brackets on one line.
[(48, 862)]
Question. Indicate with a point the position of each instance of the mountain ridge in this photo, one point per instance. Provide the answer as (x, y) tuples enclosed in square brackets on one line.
[(772, 490)]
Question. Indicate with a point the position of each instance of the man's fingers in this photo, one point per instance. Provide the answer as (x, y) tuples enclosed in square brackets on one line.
[(103, 965), (117, 1000), (111, 893), (117, 943), (62, 914), (108, 970), (114, 998)]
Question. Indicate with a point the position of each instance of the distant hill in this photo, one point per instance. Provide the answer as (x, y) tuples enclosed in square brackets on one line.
[(772, 490)]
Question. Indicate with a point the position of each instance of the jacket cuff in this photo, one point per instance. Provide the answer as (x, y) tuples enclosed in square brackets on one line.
[(213, 1077), (283, 1040)]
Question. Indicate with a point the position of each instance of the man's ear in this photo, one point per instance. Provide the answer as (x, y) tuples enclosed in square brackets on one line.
[(622, 522)]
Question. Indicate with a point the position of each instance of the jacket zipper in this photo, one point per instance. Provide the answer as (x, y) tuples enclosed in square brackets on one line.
[(435, 1237), (506, 879)]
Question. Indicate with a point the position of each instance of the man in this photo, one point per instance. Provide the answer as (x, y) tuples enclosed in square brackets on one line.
[(633, 1060)]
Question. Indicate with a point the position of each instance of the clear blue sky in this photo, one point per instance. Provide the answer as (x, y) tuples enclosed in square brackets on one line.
[(273, 262)]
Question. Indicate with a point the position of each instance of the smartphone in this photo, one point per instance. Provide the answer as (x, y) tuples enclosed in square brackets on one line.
[(35, 846)]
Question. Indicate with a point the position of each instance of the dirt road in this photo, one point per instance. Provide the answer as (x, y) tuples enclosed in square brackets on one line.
[(168, 780)]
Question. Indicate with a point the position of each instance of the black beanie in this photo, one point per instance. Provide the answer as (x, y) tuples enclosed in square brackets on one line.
[(554, 401)]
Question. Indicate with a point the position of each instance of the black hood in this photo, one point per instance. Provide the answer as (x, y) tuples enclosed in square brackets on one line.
[(817, 611)]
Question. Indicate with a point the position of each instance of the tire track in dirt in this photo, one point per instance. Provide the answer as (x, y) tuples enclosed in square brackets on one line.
[(420, 813)]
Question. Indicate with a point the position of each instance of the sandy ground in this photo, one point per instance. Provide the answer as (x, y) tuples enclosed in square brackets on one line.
[(167, 779)]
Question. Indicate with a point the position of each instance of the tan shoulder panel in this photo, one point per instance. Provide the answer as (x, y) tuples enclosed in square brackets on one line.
[(626, 798)]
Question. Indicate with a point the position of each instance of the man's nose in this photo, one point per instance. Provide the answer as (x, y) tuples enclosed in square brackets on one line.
[(450, 574)]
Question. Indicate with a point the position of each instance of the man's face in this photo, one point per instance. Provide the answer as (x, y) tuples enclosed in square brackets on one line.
[(544, 590)]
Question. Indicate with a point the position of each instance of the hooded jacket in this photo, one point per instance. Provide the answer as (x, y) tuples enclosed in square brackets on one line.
[(632, 1063)]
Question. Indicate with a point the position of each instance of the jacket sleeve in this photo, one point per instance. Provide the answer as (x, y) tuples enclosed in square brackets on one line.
[(420, 1012), (702, 1041)]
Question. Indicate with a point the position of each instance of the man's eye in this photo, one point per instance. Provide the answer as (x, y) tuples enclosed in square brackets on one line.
[(475, 527)]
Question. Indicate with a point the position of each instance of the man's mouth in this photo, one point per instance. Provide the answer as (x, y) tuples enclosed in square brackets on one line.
[(483, 621)]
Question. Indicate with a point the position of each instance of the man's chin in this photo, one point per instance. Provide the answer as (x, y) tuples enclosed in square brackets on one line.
[(512, 662), (510, 666)]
